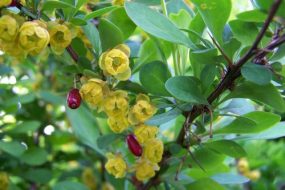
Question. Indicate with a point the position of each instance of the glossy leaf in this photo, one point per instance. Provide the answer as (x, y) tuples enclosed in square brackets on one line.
[(267, 94), (215, 14), (160, 27), (153, 77), (13, 148), (227, 147), (256, 73), (35, 156), (186, 89)]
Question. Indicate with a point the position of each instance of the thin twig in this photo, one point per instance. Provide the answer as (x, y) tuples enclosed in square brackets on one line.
[(229, 61)]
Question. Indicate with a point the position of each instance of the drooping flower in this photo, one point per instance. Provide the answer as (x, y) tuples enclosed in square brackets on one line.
[(144, 132), (8, 28), (142, 110), (115, 62), (93, 91), (116, 165), (33, 37), (153, 150), (118, 124), (60, 37), (116, 103), (145, 169)]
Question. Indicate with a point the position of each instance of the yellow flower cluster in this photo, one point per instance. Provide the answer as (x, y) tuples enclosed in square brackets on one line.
[(115, 62), (19, 38), (243, 168), (121, 115)]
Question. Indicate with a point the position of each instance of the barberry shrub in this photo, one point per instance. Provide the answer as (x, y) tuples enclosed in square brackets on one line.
[(142, 94)]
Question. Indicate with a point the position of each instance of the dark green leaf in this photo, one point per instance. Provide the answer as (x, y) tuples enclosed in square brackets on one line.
[(84, 126), (69, 185), (34, 156), (107, 140), (100, 12), (25, 127), (208, 75), (215, 14), (13, 148), (252, 122), (256, 73), (186, 89), (50, 5), (42, 176), (110, 34), (164, 117), (227, 147), (153, 76), (267, 94), (252, 16), (93, 35)]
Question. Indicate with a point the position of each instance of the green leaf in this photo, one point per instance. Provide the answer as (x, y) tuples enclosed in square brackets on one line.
[(25, 127), (227, 178), (110, 34), (227, 147), (42, 176), (51, 97), (186, 89), (252, 16), (100, 12), (252, 122), (107, 140), (78, 21), (215, 14), (148, 52), (156, 24), (79, 47), (267, 94), (13, 148), (84, 126), (265, 5), (164, 117), (34, 156), (256, 73), (274, 132), (200, 58), (208, 75), (69, 185), (50, 5), (205, 184), (93, 35), (245, 32), (131, 86), (120, 18), (153, 76)]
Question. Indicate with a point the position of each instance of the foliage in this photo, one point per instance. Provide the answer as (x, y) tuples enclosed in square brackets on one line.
[(166, 94)]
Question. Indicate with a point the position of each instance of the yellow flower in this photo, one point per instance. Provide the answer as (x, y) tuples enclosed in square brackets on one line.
[(116, 103), (153, 150), (93, 91), (142, 110), (8, 28), (145, 169), (242, 165), (116, 165), (253, 175), (118, 2), (33, 37), (145, 132), (88, 178), (4, 3), (4, 181), (118, 124), (115, 62), (60, 37), (107, 186)]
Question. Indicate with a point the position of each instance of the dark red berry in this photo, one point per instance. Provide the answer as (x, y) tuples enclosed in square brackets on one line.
[(73, 98), (134, 145), (14, 3)]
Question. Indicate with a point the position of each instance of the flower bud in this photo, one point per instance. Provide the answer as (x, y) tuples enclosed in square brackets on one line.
[(134, 145), (73, 98)]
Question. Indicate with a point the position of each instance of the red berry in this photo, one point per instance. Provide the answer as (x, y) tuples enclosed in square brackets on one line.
[(14, 3), (73, 98), (134, 145)]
